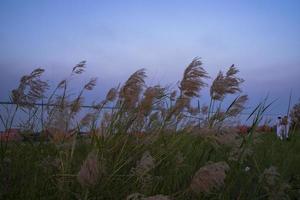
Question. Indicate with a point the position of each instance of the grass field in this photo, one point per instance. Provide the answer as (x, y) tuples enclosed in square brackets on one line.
[(152, 143), (39, 170)]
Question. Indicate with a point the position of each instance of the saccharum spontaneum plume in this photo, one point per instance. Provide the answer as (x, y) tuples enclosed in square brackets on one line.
[(131, 90), (30, 89), (190, 86), (91, 84), (228, 84), (111, 94), (149, 97), (79, 68), (91, 170), (192, 81), (209, 177)]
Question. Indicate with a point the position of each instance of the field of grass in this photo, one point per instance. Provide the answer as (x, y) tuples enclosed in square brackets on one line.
[(143, 142), (118, 166)]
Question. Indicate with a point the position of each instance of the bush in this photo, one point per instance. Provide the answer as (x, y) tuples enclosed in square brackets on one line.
[(295, 115)]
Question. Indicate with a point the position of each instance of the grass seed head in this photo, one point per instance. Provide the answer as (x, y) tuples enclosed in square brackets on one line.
[(91, 84), (231, 139), (90, 171), (31, 88), (111, 95), (77, 104), (218, 87), (132, 88), (150, 94), (209, 177), (79, 68), (192, 81), (232, 81), (228, 84)]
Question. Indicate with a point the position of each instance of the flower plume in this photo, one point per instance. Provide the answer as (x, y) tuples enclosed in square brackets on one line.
[(192, 80), (30, 89), (208, 177), (228, 84), (132, 88), (79, 68), (90, 171)]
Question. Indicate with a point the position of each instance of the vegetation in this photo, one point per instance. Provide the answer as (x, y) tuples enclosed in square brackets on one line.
[(153, 143), (122, 165), (295, 115)]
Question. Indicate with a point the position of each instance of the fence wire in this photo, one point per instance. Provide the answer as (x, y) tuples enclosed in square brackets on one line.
[(38, 117)]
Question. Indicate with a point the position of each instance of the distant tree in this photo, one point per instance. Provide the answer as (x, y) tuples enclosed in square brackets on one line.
[(295, 115)]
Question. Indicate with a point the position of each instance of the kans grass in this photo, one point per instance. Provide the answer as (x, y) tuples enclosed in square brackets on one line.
[(153, 144)]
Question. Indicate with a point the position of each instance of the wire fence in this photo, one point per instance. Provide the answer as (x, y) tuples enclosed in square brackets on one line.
[(40, 113), (113, 107)]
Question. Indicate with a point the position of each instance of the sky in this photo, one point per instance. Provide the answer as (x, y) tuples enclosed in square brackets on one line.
[(262, 38)]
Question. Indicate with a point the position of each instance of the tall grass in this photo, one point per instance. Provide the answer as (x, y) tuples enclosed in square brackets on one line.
[(153, 144)]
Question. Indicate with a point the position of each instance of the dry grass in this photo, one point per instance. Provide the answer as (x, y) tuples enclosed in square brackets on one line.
[(209, 177), (155, 144)]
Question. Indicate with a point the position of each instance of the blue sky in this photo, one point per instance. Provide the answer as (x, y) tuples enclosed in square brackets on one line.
[(118, 37)]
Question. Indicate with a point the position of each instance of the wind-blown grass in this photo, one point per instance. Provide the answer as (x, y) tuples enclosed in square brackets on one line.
[(47, 171), (154, 144)]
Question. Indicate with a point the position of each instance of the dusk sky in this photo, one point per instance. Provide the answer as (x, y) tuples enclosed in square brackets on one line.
[(118, 37)]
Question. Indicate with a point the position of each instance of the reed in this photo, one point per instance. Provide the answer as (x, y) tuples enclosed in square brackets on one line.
[(153, 142)]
